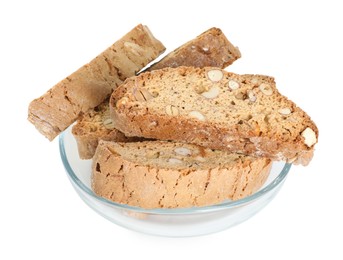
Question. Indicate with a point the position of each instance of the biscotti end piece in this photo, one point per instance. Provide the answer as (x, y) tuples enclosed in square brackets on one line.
[(90, 85), (160, 174), (216, 109), (96, 125), (209, 49)]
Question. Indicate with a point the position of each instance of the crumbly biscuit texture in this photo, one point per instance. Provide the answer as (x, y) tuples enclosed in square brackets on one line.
[(216, 109), (90, 85), (97, 125), (173, 175)]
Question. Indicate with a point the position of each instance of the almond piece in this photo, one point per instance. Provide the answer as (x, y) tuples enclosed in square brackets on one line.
[(212, 93), (251, 96), (197, 115), (174, 161), (182, 151), (266, 89), (233, 84), (309, 137), (108, 124), (254, 80), (142, 95), (172, 110), (285, 111), (215, 75)]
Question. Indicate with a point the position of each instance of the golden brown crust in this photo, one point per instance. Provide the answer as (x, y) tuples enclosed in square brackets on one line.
[(209, 49), (87, 87), (231, 120), (134, 182)]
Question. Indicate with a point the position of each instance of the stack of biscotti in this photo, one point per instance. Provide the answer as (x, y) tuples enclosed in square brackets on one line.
[(90, 85), (160, 174), (155, 174), (183, 132), (211, 48), (217, 134)]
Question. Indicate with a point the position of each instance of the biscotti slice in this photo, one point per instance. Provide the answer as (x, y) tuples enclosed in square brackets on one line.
[(211, 48), (90, 85), (97, 125), (161, 174), (216, 109)]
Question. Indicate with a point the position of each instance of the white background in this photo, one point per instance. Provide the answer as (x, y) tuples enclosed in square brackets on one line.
[(297, 42)]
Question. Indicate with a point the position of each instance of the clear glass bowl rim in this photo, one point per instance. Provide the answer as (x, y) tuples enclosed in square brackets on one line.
[(193, 210)]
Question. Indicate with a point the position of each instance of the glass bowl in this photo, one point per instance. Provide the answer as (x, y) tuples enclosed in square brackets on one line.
[(178, 222)]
